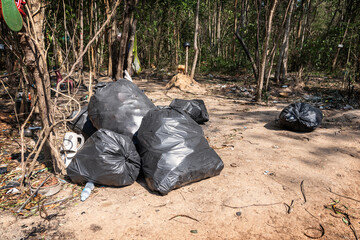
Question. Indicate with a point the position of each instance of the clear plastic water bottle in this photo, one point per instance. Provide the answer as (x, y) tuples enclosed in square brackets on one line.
[(87, 191)]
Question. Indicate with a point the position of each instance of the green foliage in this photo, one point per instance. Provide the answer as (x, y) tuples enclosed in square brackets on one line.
[(165, 25), (220, 65)]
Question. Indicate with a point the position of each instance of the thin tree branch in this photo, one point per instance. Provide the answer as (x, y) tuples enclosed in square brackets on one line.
[(248, 54), (81, 55)]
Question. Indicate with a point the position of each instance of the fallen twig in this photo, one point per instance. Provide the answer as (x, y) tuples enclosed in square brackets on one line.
[(47, 217), (32, 195), (182, 196), (251, 142), (10, 74), (302, 190), (322, 230), (272, 225), (22, 127), (182, 215), (354, 231), (252, 205), (54, 202), (290, 207), (42, 209), (337, 210), (346, 220), (333, 215), (344, 216), (157, 206), (329, 189), (223, 146), (311, 214)]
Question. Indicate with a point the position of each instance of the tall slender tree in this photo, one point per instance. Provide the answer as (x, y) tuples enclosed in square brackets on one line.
[(262, 67), (36, 62), (128, 9), (282, 64), (196, 49)]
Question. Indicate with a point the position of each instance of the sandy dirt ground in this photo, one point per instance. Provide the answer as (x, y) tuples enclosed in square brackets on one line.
[(276, 184)]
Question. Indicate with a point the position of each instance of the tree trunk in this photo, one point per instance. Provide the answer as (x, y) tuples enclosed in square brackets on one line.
[(35, 60), (300, 38), (110, 40), (339, 48), (235, 28), (186, 59), (247, 52), (267, 75), (209, 24), (195, 40), (283, 55), (213, 28), (257, 51), (113, 54), (177, 44), (124, 40), (72, 43), (287, 33), (81, 64), (243, 17), (101, 54), (97, 40), (65, 39), (157, 41), (92, 48), (218, 28), (305, 27), (130, 56), (264, 53), (357, 64), (90, 51), (300, 22), (133, 23)]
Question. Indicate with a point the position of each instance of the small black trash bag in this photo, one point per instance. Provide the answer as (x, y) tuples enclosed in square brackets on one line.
[(81, 124), (107, 158), (174, 151), (195, 108), (119, 106), (300, 117)]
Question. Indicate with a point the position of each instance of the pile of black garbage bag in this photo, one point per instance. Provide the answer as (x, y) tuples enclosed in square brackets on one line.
[(300, 117), (170, 149)]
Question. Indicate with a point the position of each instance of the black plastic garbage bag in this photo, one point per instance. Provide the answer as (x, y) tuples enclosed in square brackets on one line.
[(107, 158), (174, 151), (195, 108), (300, 117), (82, 124), (119, 106)]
